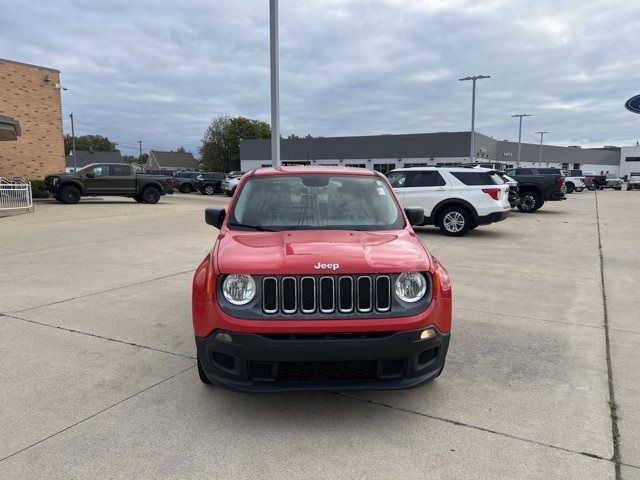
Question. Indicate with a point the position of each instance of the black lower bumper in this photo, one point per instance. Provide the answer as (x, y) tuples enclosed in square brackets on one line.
[(367, 361), (556, 196), (492, 217)]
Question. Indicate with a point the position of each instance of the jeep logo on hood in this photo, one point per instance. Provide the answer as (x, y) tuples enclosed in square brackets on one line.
[(326, 266)]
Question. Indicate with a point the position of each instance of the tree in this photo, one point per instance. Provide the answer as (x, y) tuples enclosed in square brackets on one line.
[(88, 142), (220, 149), (181, 150)]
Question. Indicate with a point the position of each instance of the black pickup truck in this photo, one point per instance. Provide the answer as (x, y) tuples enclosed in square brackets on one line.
[(107, 179), (536, 187)]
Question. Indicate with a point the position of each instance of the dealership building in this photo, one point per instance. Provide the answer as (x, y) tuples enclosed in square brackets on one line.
[(386, 152)]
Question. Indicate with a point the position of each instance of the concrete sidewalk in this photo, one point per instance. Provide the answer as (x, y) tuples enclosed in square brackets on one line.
[(98, 377)]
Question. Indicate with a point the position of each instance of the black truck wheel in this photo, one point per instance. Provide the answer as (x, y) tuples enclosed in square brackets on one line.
[(455, 221), (150, 195), (570, 187), (69, 195), (529, 202)]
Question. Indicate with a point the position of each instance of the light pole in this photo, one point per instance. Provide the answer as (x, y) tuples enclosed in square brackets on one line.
[(275, 83), (540, 152), (73, 139), (473, 111), (520, 115)]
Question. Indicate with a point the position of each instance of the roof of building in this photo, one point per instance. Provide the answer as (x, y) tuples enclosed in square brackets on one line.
[(9, 128), (29, 65), (86, 157), (174, 159), (422, 145), (413, 145)]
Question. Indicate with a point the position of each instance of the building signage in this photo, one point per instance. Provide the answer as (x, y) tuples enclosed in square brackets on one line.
[(633, 104)]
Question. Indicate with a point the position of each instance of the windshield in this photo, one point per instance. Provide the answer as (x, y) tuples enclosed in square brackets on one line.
[(304, 202)]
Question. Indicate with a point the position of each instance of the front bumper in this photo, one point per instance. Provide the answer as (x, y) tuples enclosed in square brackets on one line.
[(363, 361), (492, 217)]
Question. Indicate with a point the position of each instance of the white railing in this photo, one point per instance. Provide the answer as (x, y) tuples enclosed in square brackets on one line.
[(15, 196)]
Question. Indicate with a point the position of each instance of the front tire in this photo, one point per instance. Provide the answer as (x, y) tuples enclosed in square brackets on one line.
[(529, 202), (208, 190), (151, 195), (69, 195), (455, 221)]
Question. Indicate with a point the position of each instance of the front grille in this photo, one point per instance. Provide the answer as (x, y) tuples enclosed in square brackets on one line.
[(310, 371), (326, 294)]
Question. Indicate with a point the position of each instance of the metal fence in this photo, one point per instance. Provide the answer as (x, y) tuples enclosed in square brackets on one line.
[(15, 196)]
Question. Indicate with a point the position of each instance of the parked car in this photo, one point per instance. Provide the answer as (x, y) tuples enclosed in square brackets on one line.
[(536, 188), (185, 182), (351, 299), (614, 183), (229, 185), (574, 184), (514, 196), (633, 183), (594, 182), (108, 179), (455, 199), (210, 183), (499, 166), (235, 174)]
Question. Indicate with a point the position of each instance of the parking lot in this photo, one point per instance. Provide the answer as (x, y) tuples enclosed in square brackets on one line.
[(98, 377)]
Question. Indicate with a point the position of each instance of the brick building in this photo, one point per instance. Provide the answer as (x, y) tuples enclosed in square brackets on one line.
[(31, 95)]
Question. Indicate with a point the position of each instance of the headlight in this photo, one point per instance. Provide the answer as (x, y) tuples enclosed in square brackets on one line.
[(411, 286), (239, 289)]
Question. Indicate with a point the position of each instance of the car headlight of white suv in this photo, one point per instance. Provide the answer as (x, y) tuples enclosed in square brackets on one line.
[(239, 289), (410, 286)]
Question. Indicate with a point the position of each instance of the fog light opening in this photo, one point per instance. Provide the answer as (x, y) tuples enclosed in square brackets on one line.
[(428, 333), (223, 337)]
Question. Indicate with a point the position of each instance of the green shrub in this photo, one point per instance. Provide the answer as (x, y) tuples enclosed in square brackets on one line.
[(37, 189)]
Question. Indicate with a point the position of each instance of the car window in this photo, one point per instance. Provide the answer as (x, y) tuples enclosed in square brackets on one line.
[(318, 201), (120, 170), (511, 172), (100, 170), (474, 178), (425, 179), (397, 179)]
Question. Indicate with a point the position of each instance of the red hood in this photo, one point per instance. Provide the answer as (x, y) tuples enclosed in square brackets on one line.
[(296, 252)]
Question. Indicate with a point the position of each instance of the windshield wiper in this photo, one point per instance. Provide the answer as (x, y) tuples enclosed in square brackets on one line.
[(258, 228)]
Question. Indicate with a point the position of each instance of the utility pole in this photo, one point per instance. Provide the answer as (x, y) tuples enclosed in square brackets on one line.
[(275, 83), (520, 115), (540, 152), (73, 138), (140, 144), (474, 78)]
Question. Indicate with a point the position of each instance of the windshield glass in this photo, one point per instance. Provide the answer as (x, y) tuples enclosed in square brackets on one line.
[(303, 202)]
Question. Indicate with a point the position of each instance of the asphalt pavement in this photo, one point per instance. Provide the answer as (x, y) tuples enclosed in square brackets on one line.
[(97, 376)]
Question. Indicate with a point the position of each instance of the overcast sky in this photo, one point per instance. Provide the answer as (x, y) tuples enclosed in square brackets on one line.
[(159, 71)]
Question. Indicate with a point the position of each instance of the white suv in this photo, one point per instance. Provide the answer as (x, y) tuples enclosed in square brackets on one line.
[(455, 199)]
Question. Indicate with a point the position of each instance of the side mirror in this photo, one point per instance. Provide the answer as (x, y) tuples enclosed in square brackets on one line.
[(415, 215), (91, 175), (214, 217)]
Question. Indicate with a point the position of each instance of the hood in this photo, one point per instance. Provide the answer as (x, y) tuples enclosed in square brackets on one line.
[(309, 252)]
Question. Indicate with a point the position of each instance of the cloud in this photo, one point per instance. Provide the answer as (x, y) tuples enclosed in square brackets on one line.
[(159, 71)]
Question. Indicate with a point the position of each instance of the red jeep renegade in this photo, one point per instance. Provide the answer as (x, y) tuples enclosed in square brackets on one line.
[(317, 281)]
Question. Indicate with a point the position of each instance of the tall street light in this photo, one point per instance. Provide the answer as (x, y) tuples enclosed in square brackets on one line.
[(520, 115), (540, 152), (275, 83), (473, 111)]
